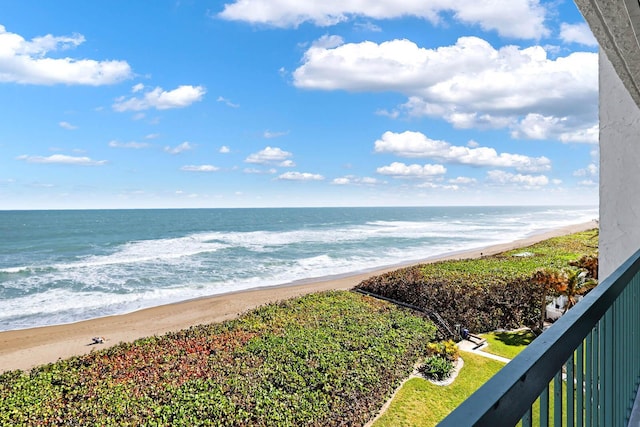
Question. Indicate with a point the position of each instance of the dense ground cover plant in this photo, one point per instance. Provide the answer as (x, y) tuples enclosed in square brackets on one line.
[(492, 292), (324, 359)]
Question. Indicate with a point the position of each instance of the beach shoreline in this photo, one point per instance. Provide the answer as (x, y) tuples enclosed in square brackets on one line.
[(27, 348)]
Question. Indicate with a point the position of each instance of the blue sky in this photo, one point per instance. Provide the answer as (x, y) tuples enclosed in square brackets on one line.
[(267, 103)]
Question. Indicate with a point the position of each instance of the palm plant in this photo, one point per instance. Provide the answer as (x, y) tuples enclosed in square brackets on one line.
[(578, 283)]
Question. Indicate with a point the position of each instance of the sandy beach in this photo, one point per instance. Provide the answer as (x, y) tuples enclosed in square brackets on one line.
[(26, 348)]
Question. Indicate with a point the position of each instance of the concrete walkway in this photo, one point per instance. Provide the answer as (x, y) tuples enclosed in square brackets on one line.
[(468, 346)]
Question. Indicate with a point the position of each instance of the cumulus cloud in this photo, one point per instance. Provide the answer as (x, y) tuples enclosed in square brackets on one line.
[(131, 144), (160, 99), (62, 159), (401, 170), (271, 156), (565, 129), (224, 150), (300, 176), (470, 84), (199, 168), (488, 14), (185, 146), (463, 180), (27, 62), (416, 144), (591, 170), (67, 126), (436, 186), (577, 33), (499, 177), (355, 180)]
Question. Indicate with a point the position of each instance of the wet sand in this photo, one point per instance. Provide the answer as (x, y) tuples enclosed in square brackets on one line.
[(26, 348)]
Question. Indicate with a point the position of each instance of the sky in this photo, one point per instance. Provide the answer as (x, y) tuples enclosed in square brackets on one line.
[(277, 103)]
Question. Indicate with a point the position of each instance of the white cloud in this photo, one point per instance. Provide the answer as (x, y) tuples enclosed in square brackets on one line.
[(152, 136), (469, 84), (271, 156), (131, 144), (181, 97), (224, 150), (591, 170), (260, 171), (401, 170), (564, 129), (394, 114), (577, 33), (26, 62), (367, 26), (488, 14), (354, 180), (269, 134), (463, 180), (588, 183), (185, 146), (417, 145), (227, 102), (62, 159), (287, 164), (300, 176), (527, 181), (67, 125), (200, 168), (434, 186), (137, 88)]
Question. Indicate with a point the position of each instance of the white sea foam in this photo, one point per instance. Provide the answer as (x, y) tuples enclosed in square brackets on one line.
[(144, 273)]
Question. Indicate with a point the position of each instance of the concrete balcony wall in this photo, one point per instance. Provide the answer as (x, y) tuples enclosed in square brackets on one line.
[(619, 171)]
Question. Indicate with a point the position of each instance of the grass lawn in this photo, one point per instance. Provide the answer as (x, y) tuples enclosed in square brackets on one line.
[(507, 344), (420, 403)]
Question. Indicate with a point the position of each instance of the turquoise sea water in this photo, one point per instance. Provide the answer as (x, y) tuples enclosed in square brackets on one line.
[(64, 266)]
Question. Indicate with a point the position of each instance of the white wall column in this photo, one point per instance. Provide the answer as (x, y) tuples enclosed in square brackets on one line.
[(619, 171)]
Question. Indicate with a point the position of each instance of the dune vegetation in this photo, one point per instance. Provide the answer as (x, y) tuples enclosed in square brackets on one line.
[(508, 290), (323, 359)]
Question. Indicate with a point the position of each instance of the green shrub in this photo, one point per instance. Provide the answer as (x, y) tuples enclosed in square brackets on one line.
[(488, 293), (436, 368)]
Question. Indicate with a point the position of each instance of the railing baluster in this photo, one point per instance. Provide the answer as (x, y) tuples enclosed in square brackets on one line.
[(607, 354), (619, 360), (544, 407), (580, 386), (595, 375), (570, 383), (557, 399), (588, 379), (527, 419)]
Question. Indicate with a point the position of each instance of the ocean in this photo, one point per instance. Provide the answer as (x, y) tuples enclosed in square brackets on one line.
[(64, 266)]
